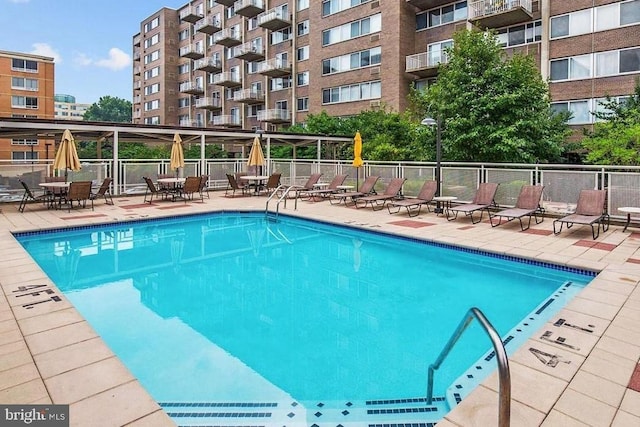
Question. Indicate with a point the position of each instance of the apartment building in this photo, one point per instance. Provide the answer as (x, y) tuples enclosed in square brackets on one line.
[(26, 90), (268, 63), (66, 107)]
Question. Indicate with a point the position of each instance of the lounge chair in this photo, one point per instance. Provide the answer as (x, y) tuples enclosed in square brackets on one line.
[(324, 192), (528, 204), (234, 186), (413, 205), (366, 189), (272, 183), (103, 191), (28, 196), (378, 201), (204, 186), (153, 191), (313, 179), (482, 201), (191, 187), (80, 192), (589, 211)]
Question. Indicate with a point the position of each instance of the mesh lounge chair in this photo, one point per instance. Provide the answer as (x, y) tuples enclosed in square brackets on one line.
[(366, 189), (28, 196), (413, 205), (190, 188), (153, 191), (313, 179), (272, 183), (482, 201), (378, 201), (80, 192), (589, 211), (528, 204), (324, 192), (104, 191), (234, 186), (204, 186)]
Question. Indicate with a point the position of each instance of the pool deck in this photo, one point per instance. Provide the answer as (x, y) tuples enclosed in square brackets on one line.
[(49, 354)]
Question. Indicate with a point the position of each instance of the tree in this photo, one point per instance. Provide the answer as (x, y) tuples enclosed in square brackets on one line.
[(615, 139), (109, 109), (493, 108)]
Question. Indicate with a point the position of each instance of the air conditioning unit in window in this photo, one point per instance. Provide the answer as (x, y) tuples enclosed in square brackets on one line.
[(374, 37), (374, 103), (375, 70), (375, 4)]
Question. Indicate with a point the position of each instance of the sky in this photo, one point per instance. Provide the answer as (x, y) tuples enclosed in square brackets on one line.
[(91, 41)]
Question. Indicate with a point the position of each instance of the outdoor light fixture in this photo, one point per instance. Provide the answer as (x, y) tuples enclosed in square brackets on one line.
[(428, 121)]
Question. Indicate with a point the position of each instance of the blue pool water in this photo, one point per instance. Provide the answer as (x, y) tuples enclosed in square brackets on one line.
[(235, 308)]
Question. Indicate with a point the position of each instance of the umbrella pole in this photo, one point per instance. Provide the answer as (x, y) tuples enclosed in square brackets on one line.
[(357, 179)]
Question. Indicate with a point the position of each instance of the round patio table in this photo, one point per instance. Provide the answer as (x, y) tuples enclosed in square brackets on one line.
[(628, 210)]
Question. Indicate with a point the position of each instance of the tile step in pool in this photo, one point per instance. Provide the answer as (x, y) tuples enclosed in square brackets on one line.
[(391, 413)]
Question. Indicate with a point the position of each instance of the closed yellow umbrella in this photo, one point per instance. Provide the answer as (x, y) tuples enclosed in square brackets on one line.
[(177, 155), (256, 157), (357, 154), (67, 155)]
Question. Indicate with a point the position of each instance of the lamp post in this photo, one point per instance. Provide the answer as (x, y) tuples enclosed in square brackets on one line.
[(428, 121)]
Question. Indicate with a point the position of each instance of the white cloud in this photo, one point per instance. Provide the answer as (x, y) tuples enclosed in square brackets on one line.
[(117, 60), (43, 49)]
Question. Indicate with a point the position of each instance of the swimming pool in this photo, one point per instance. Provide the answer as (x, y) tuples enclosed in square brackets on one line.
[(232, 311)]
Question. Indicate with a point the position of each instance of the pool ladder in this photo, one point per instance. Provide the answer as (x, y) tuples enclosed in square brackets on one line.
[(283, 197), (504, 393)]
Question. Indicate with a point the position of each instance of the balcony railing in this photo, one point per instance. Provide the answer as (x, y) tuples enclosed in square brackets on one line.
[(499, 13), (227, 37), (428, 4), (208, 25), (137, 39), (191, 52), (249, 8), (426, 64), (190, 14), (192, 88), (227, 79), (210, 65), (249, 96), (209, 103), (275, 115), (274, 67), (226, 120), (249, 51), (274, 19), (191, 123)]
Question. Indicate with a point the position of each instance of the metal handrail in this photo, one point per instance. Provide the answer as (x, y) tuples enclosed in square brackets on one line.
[(504, 393), (280, 199)]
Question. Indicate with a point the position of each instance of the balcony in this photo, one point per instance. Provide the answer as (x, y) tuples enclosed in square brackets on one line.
[(427, 4), (208, 25), (191, 88), (249, 96), (191, 52), (249, 8), (137, 114), (210, 65), (227, 79), (137, 99), (209, 103), (191, 123), (137, 70), (274, 19), (275, 116), (137, 39), (249, 52), (425, 64), (136, 55), (275, 67), (227, 3), (226, 120), (227, 37), (499, 13), (190, 15), (137, 85)]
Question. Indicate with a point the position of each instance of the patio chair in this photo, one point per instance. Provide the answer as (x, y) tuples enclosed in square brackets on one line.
[(272, 183), (28, 196), (234, 186), (324, 192), (104, 191), (204, 186), (413, 205), (190, 188), (366, 189), (482, 201), (313, 179), (528, 204), (591, 210), (80, 192), (378, 201), (153, 191)]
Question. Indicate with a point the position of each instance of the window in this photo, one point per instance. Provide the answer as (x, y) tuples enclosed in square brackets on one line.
[(372, 24), (352, 61), (154, 72), (280, 36), (302, 53), (279, 83), (153, 56), (520, 34), (302, 104), (252, 23), (579, 111), (151, 89), (617, 62), (24, 142), (303, 4), (252, 110), (183, 35), (155, 120), (617, 14), (252, 67), (24, 155), (184, 102), (442, 15), (349, 93), (152, 105), (576, 67), (24, 65), (303, 28), (231, 12), (155, 39), (302, 78), (436, 52), (24, 83), (24, 102), (334, 6), (152, 24), (572, 24), (183, 68)]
